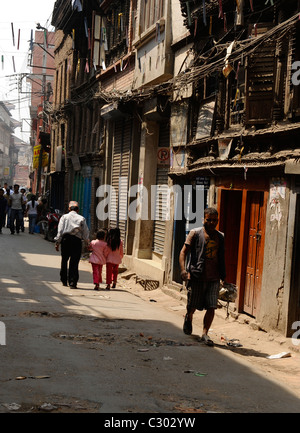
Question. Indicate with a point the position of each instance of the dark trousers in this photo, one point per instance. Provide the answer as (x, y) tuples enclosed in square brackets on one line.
[(70, 250), (2, 219), (15, 214)]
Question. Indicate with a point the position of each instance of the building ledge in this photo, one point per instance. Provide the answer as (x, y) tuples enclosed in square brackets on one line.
[(148, 34)]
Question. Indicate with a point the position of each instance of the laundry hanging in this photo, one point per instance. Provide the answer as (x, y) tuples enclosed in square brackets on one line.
[(120, 22), (86, 27), (89, 39), (73, 39), (221, 9), (31, 41), (46, 38), (127, 38), (13, 33), (87, 67), (225, 22), (19, 35), (77, 5), (204, 12), (189, 13)]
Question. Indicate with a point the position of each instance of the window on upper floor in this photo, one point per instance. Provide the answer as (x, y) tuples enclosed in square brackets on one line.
[(293, 92), (151, 12), (110, 35)]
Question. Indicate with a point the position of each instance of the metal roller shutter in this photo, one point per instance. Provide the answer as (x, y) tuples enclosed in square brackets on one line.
[(120, 175), (115, 174), (161, 199), (124, 179)]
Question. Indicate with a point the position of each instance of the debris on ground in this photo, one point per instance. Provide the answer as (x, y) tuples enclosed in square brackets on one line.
[(280, 355)]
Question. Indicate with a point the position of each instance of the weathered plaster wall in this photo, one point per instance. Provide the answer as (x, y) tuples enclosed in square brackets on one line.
[(272, 314)]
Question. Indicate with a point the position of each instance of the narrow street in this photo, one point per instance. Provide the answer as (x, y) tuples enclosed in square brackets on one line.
[(123, 351)]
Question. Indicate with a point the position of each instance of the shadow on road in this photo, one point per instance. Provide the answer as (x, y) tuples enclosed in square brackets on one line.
[(111, 351)]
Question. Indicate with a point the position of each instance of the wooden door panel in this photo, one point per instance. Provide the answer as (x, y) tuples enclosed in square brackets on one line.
[(254, 258)]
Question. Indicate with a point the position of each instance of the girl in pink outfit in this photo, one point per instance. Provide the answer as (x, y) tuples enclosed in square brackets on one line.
[(98, 257), (114, 256)]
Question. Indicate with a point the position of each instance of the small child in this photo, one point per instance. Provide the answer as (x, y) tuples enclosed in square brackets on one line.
[(98, 257), (114, 256)]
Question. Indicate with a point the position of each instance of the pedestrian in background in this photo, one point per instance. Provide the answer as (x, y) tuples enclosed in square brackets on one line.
[(72, 229), (114, 256), (6, 196), (205, 268), (98, 257), (31, 212), (24, 198), (29, 194), (3, 209), (16, 214)]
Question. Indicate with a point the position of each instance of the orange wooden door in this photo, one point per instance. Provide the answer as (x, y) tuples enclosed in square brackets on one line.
[(254, 251)]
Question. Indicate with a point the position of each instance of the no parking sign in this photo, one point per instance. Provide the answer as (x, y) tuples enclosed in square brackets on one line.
[(163, 156)]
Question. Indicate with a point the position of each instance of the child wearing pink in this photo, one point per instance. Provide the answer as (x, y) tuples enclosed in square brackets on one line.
[(114, 256), (98, 257)]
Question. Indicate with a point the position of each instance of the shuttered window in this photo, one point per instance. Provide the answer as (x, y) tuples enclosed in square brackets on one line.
[(260, 81), (151, 11), (96, 46)]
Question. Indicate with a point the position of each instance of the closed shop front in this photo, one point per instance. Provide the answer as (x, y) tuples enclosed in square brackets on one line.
[(120, 174), (161, 198)]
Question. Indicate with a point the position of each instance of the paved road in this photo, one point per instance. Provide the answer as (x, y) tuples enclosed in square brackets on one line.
[(110, 352)]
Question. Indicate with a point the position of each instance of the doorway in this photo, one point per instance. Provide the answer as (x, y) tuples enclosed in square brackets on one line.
[(230, 220), (294, 302), (242, 219)]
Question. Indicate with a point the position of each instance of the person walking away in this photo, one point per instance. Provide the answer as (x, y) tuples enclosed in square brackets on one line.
[(98, 257), (31, 212), (16, 214), (23, 192), (29, 194), (72, 229), (206, 266), (114, 256), (6, 196), (3, 209)]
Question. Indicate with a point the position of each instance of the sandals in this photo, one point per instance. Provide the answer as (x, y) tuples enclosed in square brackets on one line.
[(96, 287), (206, 340)]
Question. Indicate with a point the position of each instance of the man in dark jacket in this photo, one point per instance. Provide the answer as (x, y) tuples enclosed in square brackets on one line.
[(205, 269)]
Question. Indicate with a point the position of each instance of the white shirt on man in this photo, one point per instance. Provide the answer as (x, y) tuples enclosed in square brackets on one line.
[(74, 224), (16, 200)]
